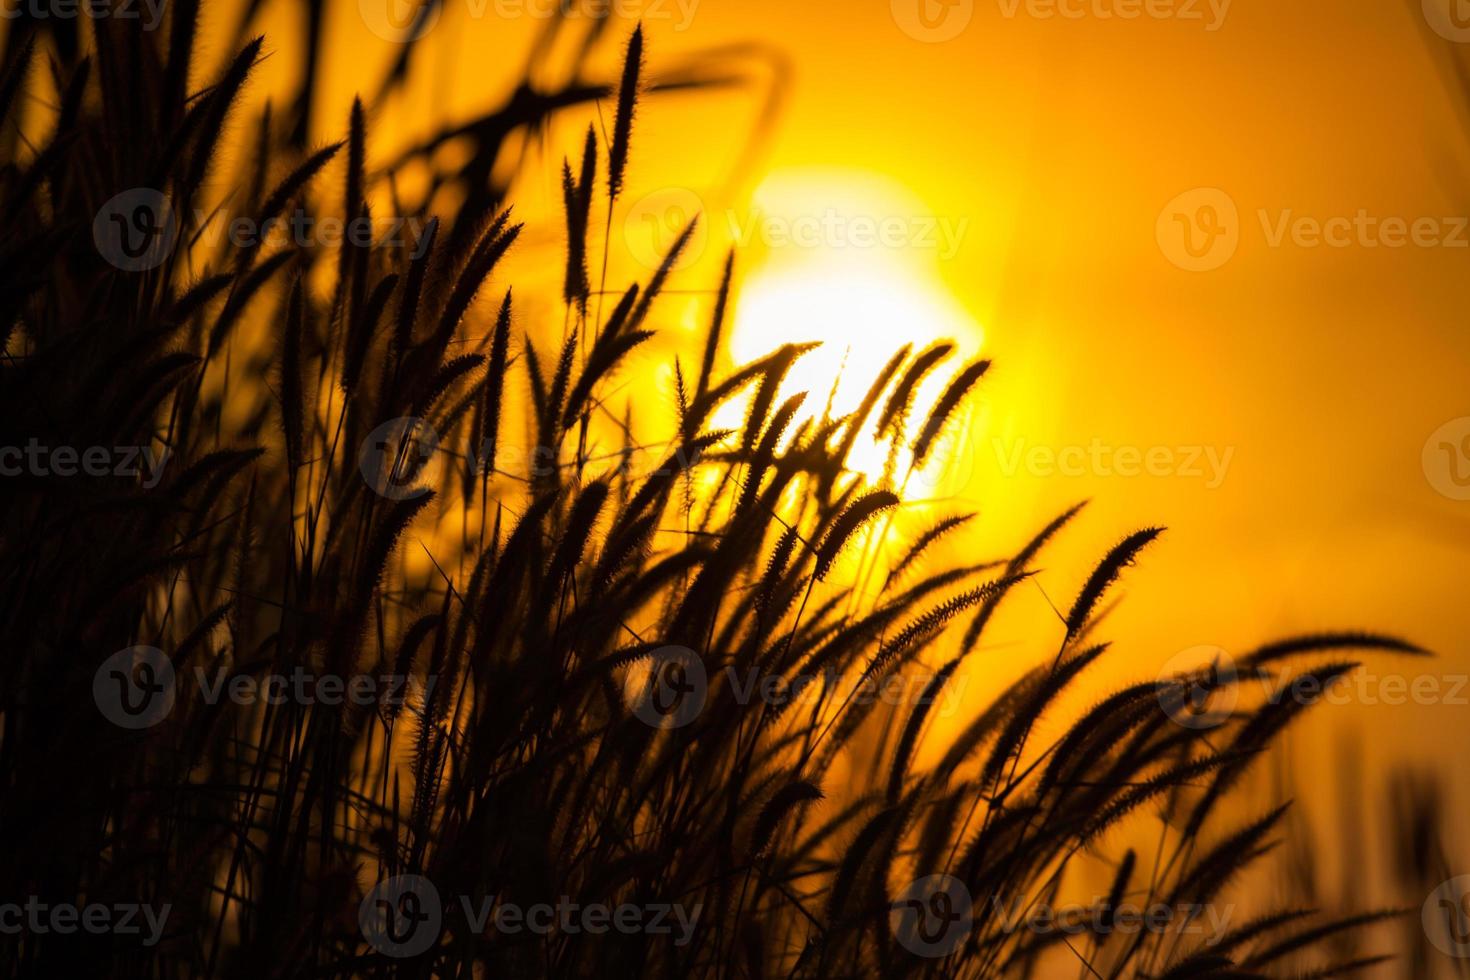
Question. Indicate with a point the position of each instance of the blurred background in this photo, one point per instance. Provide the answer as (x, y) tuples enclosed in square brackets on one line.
[(1217, 251)]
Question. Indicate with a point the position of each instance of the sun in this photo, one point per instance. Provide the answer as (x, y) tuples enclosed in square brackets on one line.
[(861, 302)]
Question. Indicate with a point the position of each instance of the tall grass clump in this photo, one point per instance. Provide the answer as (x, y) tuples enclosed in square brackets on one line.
[(336, 492)]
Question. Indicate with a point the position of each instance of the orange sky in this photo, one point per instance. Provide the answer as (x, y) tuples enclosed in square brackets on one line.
[(1311, 373)]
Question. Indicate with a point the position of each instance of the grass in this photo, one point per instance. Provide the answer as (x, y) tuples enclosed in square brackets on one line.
[(566, 590)]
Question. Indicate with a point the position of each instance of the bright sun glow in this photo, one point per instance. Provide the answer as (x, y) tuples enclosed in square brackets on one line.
[(862, 303)]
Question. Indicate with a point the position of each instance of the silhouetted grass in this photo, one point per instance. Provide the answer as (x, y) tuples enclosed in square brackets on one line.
[(516, 769)]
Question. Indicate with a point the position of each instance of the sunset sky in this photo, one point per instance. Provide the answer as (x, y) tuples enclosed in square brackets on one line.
[(1019, 175)]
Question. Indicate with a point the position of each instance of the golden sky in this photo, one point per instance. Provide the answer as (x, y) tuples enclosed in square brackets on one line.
[(1020, 174)]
